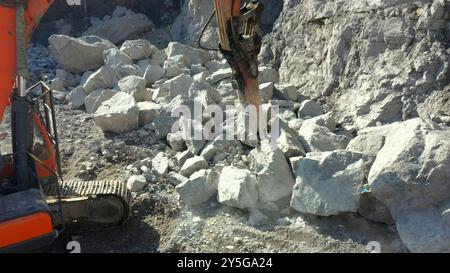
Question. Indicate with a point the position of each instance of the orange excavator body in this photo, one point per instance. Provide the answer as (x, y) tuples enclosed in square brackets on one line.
[(7, 56), (35, 10), (35, 223)]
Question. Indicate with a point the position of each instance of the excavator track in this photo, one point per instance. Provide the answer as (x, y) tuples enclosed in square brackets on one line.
[(102, 202)]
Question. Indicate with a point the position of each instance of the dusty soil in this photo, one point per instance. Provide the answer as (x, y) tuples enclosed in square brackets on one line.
[(161, 224)]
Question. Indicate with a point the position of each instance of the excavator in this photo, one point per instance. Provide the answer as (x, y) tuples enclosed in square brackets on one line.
[(36, 204)]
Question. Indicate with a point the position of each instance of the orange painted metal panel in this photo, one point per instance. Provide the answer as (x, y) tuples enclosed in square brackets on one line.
[(25, 228)]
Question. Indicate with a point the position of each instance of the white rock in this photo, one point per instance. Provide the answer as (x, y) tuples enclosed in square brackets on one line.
[(326, 120), (136, 183), (178, 86), (76, 97), (289, 143), (177, 65), (160, 164), (266, 90), (95, 99), (176, 178), (204, 94), (197, 68), (369, 142), (310, 109), (410, 176), (134, 86), (115, 58), (196, 56), (137, 49), (193, 134), (183, 156), (318, 138), (286, 92), (153, 73), (158, 57), (165, 121), (120, 29), (237, 188), (328, 183), (214, 65), (220, 75), (78, 55), (275, 178), (148, 111), (199, 188), (267, 74), (176, 141), (202, 76), (57, 84), (119, 114), (105, 77), (85, 76), (257, 218), (219, 146), (192, 165), (295, 162)]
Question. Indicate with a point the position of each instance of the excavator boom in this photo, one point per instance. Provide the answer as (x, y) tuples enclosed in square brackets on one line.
[(240, 43), (14, 35)]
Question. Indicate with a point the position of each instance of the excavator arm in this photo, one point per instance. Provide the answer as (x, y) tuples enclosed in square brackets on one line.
[(19, 19), (240, 43)]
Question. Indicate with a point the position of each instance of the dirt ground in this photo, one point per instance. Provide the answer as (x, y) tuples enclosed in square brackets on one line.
[(159, 223)]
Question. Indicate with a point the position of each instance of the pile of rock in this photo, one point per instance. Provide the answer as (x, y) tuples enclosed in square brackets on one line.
[(387, 172)]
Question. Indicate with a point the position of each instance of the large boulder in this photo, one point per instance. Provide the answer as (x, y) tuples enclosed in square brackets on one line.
[(411, 177), (94, 100), (78, 55), (237, 188), (104, 78), (119, 114), (369, 142), (328, 183), (121, 28), (274, 175)]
